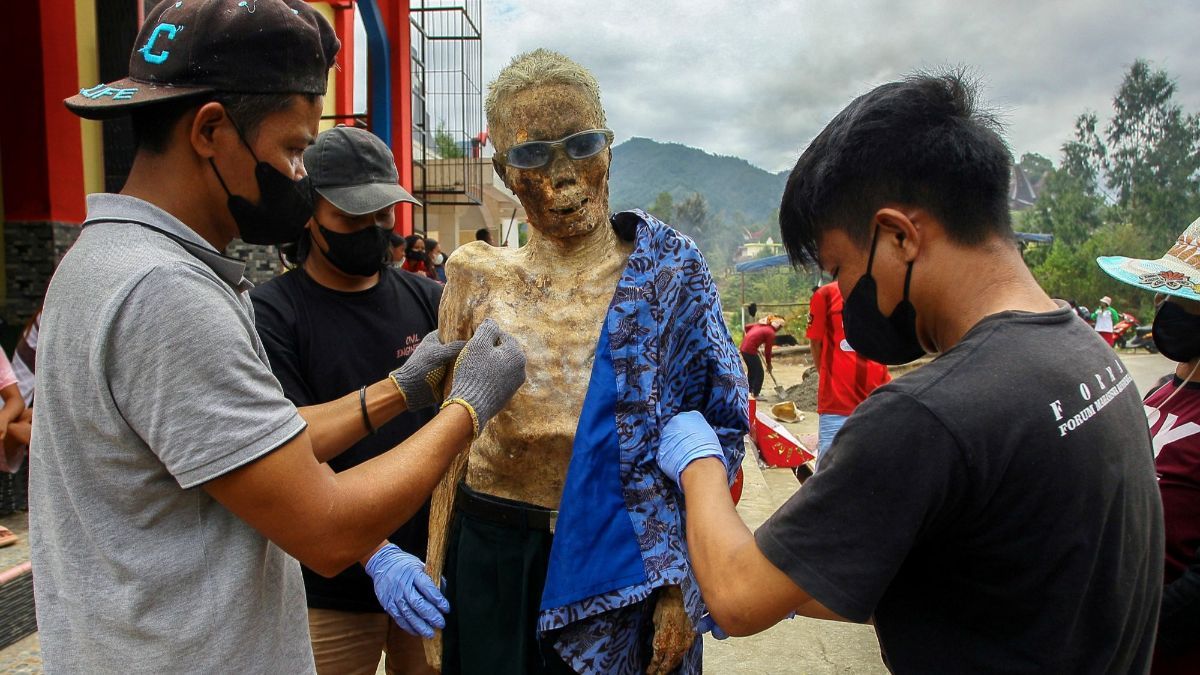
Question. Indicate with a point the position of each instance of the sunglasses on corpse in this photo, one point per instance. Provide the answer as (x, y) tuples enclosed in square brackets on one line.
[(537, 154)]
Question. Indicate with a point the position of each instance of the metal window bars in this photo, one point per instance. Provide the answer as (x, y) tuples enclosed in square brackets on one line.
[(447, 103)]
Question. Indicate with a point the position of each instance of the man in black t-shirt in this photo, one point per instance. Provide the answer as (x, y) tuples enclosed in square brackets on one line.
[(343, 319), (995, 510)]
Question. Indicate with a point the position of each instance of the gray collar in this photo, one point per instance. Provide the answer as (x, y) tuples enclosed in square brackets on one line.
[(106, 206)]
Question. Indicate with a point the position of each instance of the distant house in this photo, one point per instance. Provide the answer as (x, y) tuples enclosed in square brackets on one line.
[(1022, 192)]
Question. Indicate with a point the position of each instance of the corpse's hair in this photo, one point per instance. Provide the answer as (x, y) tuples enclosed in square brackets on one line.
[(153, 124), (538, 67), (923, 141)]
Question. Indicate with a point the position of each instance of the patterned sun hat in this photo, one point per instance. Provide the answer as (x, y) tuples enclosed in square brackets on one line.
[(1176, 273)]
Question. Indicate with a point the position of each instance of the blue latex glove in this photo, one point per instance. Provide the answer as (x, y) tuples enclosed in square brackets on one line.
[(708, 624), (406, 591), (686, 438)]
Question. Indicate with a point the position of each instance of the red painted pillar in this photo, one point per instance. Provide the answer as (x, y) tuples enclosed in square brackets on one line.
[(343, 25), (399, 35), (40, 139)]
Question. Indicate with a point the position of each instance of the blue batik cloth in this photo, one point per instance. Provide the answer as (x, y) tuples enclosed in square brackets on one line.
[(663, 349)]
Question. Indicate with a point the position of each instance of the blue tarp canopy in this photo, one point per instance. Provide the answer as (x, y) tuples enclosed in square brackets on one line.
[(780, 260), (1035, 238), (762, 263)]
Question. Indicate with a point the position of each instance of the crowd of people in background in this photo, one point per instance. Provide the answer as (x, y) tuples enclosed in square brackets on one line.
[(419, 254)]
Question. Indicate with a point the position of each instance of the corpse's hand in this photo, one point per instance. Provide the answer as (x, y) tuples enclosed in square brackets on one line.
[(406, 592), (420, 378), (686, 438), (673, 632)]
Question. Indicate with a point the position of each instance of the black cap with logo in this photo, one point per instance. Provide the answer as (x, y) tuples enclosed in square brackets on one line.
[(354, 170), (193, 47)]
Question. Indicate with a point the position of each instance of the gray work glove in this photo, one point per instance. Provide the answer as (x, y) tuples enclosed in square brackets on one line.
[(420, 378), (488, 371)]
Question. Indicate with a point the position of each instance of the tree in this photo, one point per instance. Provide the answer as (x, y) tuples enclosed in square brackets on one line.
[(717, 239), (693, 218), (1069, 206), (445, 145), (663, 207), (1127, 190), (1035, 166), (1152, 154)]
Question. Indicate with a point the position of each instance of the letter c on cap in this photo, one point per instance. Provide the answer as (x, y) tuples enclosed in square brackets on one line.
[(170, 30)]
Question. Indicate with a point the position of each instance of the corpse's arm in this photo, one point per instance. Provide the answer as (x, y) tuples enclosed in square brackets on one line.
[(455, 322)]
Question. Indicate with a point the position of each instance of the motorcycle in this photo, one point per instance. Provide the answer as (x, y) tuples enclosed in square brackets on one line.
[(1143, 338), (1123, 330)]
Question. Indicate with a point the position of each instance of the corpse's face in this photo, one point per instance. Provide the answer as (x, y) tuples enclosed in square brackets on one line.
[(567, 197)]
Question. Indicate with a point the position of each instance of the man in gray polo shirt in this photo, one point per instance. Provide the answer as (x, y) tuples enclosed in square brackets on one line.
[(171, 478)]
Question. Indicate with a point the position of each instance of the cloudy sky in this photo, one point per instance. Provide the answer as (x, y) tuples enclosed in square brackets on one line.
[(759, 79)]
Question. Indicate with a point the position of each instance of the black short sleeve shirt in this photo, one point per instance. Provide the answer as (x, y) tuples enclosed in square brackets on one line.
[(323, 344), (994, 511)]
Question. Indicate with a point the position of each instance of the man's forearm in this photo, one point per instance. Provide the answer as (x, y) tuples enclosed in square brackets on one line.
[(714, 533), (744, 591), (329, 520), (372, 500), (335, 426), (815, 349)]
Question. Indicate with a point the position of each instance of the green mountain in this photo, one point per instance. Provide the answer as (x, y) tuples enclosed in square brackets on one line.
[(642, 168)]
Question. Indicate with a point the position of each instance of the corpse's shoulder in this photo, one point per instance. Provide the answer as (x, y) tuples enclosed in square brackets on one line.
[(476, 258)]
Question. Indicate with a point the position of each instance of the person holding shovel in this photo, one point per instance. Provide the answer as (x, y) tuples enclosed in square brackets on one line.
[(761, 334)]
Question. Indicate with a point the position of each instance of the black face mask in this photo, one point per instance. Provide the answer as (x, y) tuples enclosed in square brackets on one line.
[(891, 340), (1176, 333), (283, 209), (361, 253), (414, 255)]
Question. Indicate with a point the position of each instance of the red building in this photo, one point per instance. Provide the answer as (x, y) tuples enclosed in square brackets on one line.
[(50, 159)]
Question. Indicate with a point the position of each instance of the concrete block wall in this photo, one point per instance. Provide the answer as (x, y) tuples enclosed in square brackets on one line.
[(32, 250), (262, 262)]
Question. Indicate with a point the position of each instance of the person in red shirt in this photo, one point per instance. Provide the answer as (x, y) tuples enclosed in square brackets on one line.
[(761, 334), (845, 377), (414, 255), (1173, 413)]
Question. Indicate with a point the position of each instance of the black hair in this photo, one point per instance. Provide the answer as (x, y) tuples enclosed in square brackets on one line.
[(482, 234), (923, 142), (411, 240), (153, 124), (430, 244)]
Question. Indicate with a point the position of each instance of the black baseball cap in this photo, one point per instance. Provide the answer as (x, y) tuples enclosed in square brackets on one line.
[(189, 48), (353, 169)]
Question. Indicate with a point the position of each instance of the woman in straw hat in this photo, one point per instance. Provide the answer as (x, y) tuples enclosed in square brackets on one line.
[(1173, 412)]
